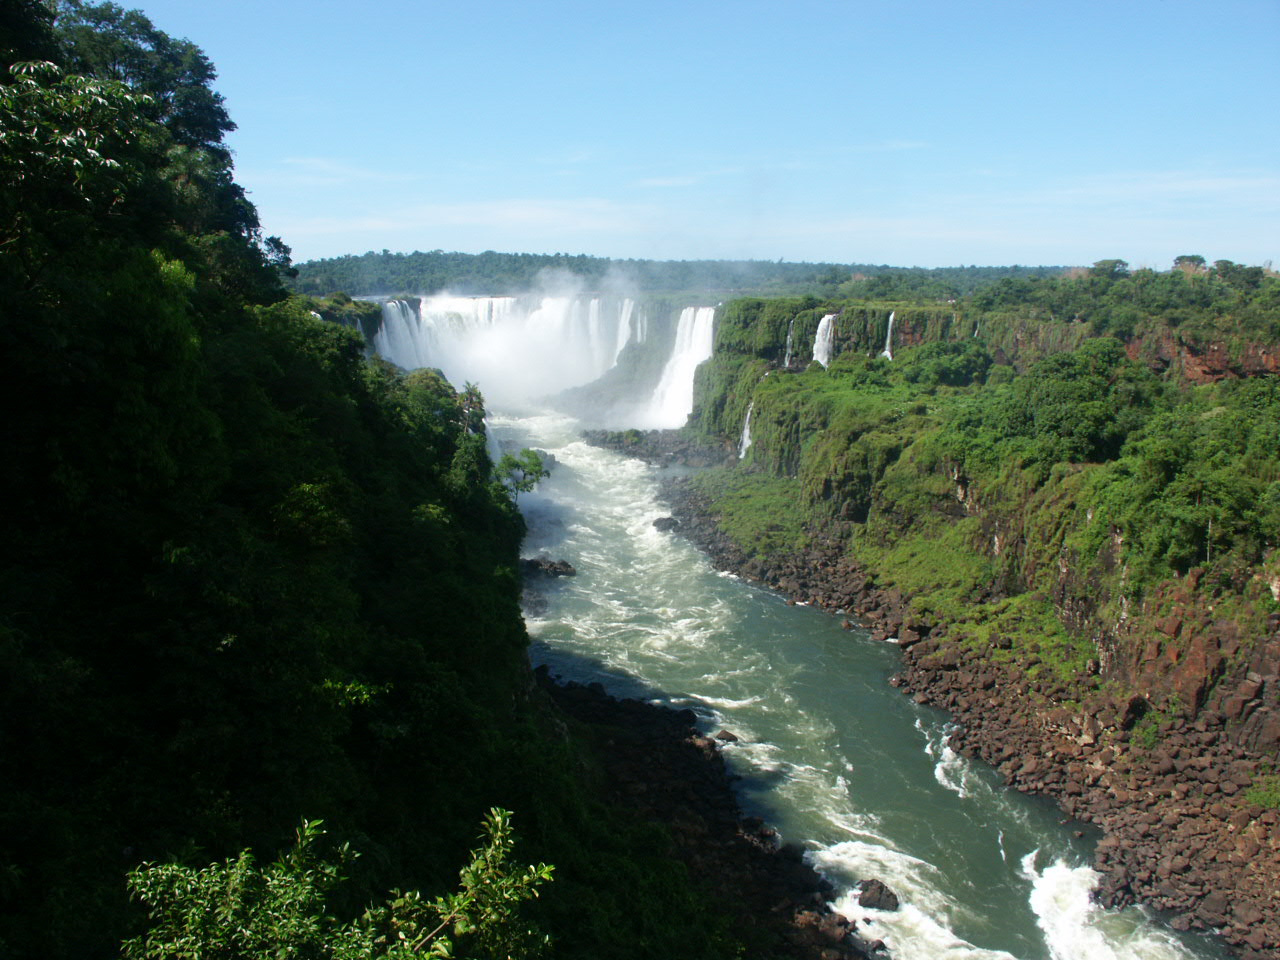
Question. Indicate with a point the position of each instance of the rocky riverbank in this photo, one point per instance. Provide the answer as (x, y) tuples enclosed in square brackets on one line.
[(662, 770), (1171, 795)]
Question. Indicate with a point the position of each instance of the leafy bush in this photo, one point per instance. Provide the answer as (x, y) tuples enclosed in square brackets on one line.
[(236, 910)]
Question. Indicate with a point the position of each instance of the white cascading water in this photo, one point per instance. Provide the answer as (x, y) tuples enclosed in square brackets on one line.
[(673, 399), (888, 339), (516, 348), (744, 444), (791, 329), (824, 340), (624, 328)]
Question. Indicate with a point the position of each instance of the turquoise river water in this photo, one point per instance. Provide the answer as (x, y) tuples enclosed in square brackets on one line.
[(829, 753)]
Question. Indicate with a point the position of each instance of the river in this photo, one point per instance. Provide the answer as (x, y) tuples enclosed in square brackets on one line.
[(829, 753)]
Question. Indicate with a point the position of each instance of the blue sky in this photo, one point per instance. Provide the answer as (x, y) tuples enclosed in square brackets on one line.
[(910, 133)]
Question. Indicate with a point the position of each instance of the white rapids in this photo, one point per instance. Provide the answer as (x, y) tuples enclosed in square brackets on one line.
[(828, 751)]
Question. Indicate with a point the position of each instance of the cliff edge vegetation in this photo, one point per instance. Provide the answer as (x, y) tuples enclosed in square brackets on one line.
[(1064, 492)]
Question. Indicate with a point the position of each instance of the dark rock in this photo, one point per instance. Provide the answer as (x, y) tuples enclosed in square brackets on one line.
[(666, 523), (874, 895), (544, 566), (663, 771)]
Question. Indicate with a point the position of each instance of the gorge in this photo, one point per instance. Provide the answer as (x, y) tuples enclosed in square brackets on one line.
[(827, 749)]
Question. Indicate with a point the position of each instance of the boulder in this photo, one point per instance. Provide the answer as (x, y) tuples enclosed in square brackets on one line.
[(874, 895), (544, 566)]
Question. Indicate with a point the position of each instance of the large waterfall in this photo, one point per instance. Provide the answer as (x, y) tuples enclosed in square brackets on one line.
[(673, 400), (838, 760), (519, 349)]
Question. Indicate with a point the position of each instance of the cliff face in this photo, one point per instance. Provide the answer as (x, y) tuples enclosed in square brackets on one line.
[(1203, 361), (1186, 622)]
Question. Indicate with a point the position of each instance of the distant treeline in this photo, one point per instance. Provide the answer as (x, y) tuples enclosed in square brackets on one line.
[(492, 273)]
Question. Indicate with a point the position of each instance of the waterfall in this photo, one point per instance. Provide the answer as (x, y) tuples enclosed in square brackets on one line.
[(515, 348), (745, 443), (791, 329), (673, 399), (527, 348), (824, 339), (403, 338), (888, 339), (624, 327)]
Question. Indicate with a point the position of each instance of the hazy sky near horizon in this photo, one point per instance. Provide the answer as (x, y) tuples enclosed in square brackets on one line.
[(926, 132)]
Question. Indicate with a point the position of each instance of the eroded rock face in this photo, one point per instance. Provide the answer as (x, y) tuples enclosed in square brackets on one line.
[(662, 448), (874, 895), (1203, 363), (1180, 832)]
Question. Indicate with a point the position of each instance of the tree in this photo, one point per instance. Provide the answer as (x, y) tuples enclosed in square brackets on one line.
[(65, 138), (1189, 263), (104, 40), (236, 910), (1110, 269), (188, 202), (522, 473), (26, 33), (1238, 275)]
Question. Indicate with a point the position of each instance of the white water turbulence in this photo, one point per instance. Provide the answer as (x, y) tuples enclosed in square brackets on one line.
[(824, 340), (515, 348), (888, 339), (744, 444), (673, 399), (1075, 928), (829, 753)]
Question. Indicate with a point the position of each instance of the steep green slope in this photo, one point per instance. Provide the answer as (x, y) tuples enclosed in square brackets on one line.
[(1014, 478)]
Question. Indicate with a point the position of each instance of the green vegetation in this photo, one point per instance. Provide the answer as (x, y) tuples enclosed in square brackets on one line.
[(1007, 464), (1265, 791), (1116, 300), (237, 909), (489, 273), (762, 515), (522, 473), (250, 577)]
